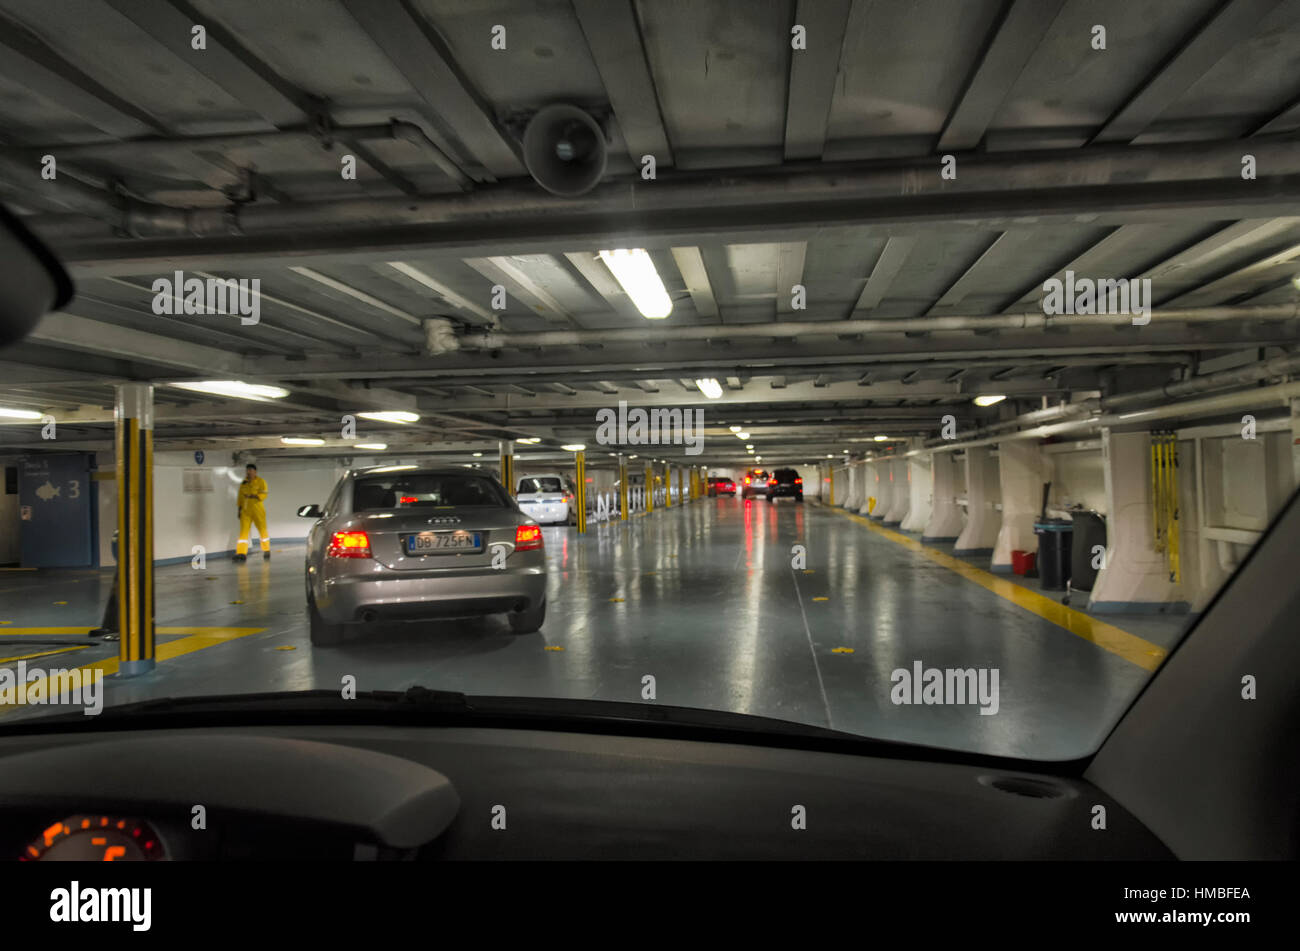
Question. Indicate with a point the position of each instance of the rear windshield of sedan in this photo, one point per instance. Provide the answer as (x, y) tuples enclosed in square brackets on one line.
[(785, 475), (540, 485), (415, 490)]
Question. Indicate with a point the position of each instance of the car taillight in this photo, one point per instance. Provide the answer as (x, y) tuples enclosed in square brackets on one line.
[(408, 499), (771, 482), (746, 480), (528, 537), (798, 481), (349, 545)]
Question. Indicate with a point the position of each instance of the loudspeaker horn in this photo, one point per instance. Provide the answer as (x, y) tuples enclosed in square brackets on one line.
[(564, 150)]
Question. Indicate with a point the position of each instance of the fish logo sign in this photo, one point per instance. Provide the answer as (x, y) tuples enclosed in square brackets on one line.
[(48, 491)]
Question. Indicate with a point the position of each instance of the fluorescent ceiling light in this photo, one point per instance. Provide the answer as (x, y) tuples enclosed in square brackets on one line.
[(989, 400), (392, 416), (710, 388), (477, 454), (531, 440), (734, 429), (376, 446), (636, 274), (19, 414), (301, 441), (236, 389), (574, 447), (742, 435), (877, 439), (749, 446)]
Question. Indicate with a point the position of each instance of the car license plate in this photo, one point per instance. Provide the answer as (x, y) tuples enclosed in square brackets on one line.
[(432, 543)]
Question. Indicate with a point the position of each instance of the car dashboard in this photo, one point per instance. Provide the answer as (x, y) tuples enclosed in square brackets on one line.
[(341, 792)]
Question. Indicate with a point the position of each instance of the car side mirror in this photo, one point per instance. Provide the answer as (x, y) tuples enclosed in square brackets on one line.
[(310, 511)]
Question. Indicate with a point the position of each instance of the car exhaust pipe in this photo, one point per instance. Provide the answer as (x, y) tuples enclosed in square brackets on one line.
[(368, 616)]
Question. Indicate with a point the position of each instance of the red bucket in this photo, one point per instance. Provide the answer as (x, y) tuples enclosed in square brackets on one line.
[(1022, 562)]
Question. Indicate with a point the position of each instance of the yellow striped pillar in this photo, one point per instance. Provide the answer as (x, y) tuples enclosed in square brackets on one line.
[(668, 486), (135, 587), (622, 488), (580, 463), (649, 487), (507, 447), (680, 498)]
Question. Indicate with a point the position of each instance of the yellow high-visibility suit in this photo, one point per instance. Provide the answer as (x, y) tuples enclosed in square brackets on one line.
[(252, 492)]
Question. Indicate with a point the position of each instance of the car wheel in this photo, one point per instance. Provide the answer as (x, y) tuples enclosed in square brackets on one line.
[(770, 499), (323, 634), (798, 498), (528, 622)]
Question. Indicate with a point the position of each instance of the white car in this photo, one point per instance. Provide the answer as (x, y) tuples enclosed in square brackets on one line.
[(546, 497)]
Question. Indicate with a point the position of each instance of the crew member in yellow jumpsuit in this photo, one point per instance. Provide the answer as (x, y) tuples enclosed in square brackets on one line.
[(252, 493)]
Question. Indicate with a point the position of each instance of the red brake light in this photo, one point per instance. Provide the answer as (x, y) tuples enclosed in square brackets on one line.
[(349, 545), (528, 537), (746, 480), (771, 482), (798, 481), (408, 499)]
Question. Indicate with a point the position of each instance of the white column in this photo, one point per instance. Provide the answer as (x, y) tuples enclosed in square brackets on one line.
[(919, 490), (1134, 576), (1021, 476), (868, 482), (900, 494), (946, 518), (982, 494)]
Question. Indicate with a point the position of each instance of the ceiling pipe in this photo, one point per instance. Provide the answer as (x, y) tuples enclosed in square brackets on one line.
[(812, 190), (1223, 402), (931, 324), (1222, 379)]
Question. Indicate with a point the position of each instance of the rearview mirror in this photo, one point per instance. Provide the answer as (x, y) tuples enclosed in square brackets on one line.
[(310, 511), (35, 283)]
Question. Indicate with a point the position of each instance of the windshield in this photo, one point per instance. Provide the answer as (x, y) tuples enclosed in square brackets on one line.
[(918, 374), (540, 484), (423, 490)]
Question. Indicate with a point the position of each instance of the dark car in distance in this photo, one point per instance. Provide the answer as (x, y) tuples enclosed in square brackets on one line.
[(784, 483)]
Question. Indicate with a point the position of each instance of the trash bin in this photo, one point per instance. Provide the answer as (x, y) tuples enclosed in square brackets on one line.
[(1089, 532), (1055, 536)]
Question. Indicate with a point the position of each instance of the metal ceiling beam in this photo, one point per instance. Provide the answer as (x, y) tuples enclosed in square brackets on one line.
[(1102, 342), (892, 258), (789, 393), (812, 76), (425, 60), (69, 332), (1013, 40), (614, 41), (1231, 23), (1130, 180), (790, 258), (690, 263), (225, 61), (42, 71)]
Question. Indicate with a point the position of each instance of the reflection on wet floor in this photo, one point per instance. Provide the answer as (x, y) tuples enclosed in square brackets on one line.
[(705, 598)]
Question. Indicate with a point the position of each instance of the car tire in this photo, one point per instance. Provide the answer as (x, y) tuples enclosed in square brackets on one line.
[(770, 499), (798, 498), (528, 622), (323, 634)]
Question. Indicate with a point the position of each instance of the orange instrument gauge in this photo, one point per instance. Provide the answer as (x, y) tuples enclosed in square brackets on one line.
[(96, 838)]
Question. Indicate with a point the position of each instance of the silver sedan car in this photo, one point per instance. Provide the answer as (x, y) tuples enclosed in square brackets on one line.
[(418, 544)]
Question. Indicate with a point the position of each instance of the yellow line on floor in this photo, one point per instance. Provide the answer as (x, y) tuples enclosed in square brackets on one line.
[(57, 650), (197, 639), (1121, 643)]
